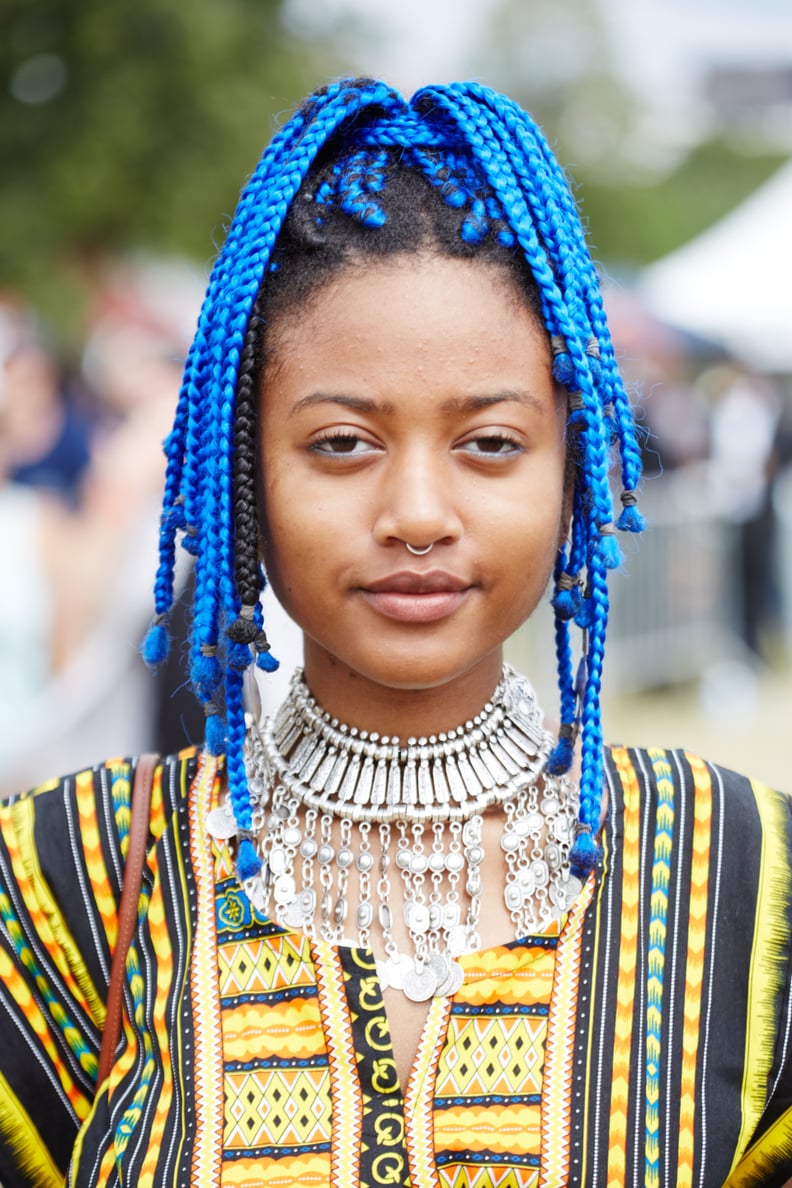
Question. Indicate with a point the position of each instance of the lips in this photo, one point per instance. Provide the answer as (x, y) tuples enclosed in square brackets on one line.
[(409, 597), (408, 582)]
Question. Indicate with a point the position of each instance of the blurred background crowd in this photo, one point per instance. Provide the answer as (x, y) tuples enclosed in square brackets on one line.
[(125, 131)]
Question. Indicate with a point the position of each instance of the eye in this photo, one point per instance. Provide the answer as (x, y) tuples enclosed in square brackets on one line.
[(342, 444), (492, 445)]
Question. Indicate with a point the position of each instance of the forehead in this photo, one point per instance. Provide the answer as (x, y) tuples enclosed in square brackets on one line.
[(413, 311)]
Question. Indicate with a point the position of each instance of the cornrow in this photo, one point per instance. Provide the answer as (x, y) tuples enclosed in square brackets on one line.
[(358, 174)]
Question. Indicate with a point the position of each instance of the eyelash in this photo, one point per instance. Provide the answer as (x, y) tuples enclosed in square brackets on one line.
[(500, 439), (319, 445), (322, 445)]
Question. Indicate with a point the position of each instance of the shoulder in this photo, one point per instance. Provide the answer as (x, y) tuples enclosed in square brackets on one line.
[(652, 772), (678, 809), (94, 803)]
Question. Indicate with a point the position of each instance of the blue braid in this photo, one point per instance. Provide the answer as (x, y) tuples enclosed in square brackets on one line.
[(585, 853), (156, 644), (204, 435), (561, 757), (489, 161), (613, 387)]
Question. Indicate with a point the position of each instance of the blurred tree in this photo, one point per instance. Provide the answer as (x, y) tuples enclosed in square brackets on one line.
[(134, 123), (633, 223)]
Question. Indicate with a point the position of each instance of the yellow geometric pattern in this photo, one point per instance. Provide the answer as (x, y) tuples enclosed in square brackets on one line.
[(454, 1176), (507, 1130), (513, 975), (488, 1056), (308, 1170), (277, 1107), (290, 1030), (262, 965)]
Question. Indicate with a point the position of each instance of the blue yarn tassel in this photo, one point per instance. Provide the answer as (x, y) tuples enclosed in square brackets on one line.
[(584, 616), (609, 551), (631, 520), (215, 734), (584, 856), (248, 861), (566, 603), (206, 675), (156, 645), (267, 662), (560, 758), (238, 655)]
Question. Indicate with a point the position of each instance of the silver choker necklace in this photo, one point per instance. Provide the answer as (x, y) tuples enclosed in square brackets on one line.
[(346, 815)]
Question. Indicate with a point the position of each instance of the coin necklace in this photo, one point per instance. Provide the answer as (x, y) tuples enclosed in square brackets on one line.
[(339, 810)]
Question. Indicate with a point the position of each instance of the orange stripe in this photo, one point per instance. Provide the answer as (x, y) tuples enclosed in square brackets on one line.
[(17, 829), (694, 975), (628, 956), (511, 1129), (19, 990), (521, 976), (94, 857)]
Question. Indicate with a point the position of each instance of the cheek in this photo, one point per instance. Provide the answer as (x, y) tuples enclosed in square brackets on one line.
[(277, 534)]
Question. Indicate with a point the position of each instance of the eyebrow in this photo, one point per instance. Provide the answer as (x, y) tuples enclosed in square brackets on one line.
[(467, 404), (463, 404), (356, 403)]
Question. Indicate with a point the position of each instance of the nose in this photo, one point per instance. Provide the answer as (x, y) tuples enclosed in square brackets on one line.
[(417, 503)]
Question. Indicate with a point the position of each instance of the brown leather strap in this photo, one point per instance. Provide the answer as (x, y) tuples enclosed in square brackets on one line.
[(128, 908)]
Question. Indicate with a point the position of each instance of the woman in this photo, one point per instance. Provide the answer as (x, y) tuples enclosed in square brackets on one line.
[(400, 932)]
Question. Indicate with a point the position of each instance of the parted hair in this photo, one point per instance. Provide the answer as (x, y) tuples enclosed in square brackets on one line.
[(358, 174)]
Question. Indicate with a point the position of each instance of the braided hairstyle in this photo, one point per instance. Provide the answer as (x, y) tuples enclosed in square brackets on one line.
[(359, 173)]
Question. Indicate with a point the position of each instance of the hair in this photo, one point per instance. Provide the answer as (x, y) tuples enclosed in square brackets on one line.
[(359, 174)]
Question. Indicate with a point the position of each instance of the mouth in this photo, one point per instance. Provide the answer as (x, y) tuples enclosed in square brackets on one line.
[(410, 597)]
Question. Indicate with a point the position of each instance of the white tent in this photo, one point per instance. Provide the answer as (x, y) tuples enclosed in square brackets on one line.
[(733, 284)]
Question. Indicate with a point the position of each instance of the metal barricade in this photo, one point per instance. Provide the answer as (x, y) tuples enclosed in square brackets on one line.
[(675, 604)]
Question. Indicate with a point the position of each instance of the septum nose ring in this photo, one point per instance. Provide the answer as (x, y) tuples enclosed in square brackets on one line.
[(419, 552)]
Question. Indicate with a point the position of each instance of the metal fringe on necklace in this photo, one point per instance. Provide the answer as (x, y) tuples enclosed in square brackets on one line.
[(346, 815)]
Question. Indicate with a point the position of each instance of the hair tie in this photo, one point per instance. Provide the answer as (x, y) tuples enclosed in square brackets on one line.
[(215, 728), (156, 645), (567, 598), (206, 672), (244, 628), (608, 546), (631, 519), (560, 758)]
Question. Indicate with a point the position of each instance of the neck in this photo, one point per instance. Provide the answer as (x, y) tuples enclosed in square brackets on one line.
[(406, 710)]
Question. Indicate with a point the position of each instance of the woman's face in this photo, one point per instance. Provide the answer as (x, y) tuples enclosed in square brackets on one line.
[(410, 402)]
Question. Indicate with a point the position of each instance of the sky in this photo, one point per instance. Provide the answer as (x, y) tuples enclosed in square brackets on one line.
[(663, 43)]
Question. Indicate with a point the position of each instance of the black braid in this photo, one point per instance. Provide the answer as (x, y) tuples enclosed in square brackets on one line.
[(247, 572)]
